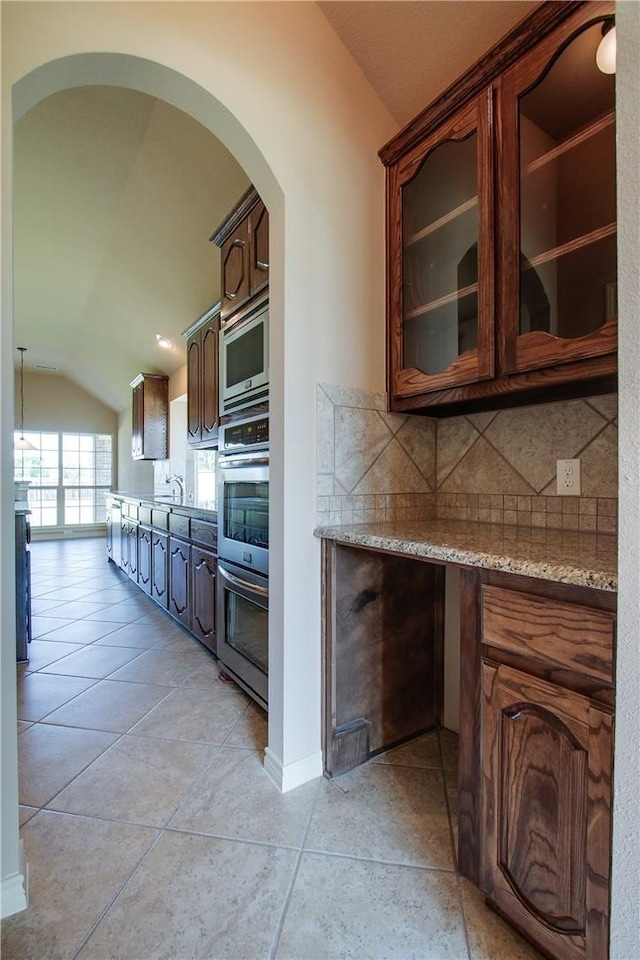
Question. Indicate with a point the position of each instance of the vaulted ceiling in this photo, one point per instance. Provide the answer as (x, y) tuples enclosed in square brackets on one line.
[(116, 194)]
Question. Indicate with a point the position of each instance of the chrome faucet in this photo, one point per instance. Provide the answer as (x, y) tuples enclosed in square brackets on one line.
[(177, 479)]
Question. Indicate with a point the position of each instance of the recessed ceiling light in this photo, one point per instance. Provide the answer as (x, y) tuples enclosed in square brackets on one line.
[(163, 341)]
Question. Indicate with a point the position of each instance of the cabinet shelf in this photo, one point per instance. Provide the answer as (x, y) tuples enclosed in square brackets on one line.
[(441, 301), (441, 222), (585, 134), (572, 245)]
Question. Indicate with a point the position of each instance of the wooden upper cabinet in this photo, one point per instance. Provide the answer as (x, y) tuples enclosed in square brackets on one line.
[(243, 238), (557, 161), (441, 277), (501, 227), (150, 417), (202, 378)]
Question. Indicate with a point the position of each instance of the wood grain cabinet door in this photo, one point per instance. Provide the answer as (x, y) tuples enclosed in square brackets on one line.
[(546, 804), (160, 568), (441, 257), (235, 270), (179, 605), (209, 403), (194, 389), (144, 559), (259, 248), (203, 585), (557, 171)]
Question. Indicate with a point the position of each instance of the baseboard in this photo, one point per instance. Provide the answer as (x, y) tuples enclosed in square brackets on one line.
[(292, 774), (14, 890)]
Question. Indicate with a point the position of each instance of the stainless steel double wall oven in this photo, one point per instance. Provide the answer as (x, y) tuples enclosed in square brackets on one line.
[(243, 553)]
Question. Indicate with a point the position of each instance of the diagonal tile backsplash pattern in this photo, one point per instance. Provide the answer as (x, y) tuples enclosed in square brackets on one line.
[(497, 467), (371, 465)]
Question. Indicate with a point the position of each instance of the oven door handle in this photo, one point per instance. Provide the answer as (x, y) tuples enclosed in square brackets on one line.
[(248, 460), (243, 584)]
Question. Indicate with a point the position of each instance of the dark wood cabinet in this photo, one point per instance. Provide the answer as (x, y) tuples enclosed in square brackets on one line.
[(130, 548), (144, 558), (203, 596), (243, 238), (537, 715), (150, 417), (202, 379), (160, 568), (501, 227), (23, 586), (179, 580)]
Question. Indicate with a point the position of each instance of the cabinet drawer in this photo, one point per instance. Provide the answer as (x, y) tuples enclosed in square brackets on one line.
[(160, 519), (205, 533), (552, 631), (179, 525), (130, 510), (144, 514)]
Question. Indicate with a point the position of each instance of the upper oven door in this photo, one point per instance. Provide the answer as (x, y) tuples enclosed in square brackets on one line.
[(243, 511), (244, 362)]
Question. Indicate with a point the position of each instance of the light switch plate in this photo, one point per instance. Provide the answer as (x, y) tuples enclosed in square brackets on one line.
[(568, 478)]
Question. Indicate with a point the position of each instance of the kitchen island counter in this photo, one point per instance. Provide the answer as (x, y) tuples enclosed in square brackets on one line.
[(581, 558)]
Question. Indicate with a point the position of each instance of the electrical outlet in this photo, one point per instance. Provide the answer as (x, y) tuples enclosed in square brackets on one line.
[(568, 478)]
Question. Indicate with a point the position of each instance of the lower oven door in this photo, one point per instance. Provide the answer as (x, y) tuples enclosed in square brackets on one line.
[(243, 628)]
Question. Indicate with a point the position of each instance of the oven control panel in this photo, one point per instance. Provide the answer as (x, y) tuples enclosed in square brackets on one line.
[(249, 434)]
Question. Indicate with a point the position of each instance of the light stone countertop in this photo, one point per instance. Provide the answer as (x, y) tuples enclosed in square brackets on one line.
[(566, 556)]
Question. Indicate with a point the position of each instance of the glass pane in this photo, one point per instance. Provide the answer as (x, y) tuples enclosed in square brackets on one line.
[(246, 512), (568, 195), (247, 629), (440, 257), (44, 507)]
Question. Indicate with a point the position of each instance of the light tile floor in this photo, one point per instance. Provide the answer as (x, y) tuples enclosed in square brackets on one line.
[(152, 831)]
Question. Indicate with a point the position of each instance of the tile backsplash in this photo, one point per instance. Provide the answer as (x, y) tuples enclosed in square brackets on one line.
[(497, 467)]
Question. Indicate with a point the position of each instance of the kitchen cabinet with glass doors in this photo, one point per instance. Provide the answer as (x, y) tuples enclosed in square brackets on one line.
[(501, 227)]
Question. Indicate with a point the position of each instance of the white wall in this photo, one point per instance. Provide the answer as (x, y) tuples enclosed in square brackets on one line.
[(134, 476), (306, 127), (625, 928)]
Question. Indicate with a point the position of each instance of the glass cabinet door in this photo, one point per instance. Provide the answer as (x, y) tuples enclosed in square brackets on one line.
[(441, 306), (559, 162)]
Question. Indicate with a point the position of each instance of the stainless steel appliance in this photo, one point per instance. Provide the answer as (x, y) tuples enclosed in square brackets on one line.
[(244, 362), (243, 627), (243, 493), (243, 553)]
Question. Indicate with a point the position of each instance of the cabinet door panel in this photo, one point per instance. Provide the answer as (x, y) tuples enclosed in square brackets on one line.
[(209, 385), (558, 165), (160, 568), (194, 389), (546, 781), (235, 270), (203, 580), (144, 559), (179, 604), (441, 282), (259, 248)]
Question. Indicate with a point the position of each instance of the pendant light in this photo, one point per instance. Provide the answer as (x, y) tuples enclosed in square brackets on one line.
[(606, 52), (21, 443)]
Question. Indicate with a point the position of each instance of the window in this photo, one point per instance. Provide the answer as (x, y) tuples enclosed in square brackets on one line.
[(206, 461), (70, 476)]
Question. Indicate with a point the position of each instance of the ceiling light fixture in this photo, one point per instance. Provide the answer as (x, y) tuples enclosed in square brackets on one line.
[(20, 443), (606, 52), (163, 341)]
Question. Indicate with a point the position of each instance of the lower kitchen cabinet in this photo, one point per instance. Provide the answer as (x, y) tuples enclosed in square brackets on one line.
[(179, 581), (536, 725), (203, 596), (160, 568), (546, 809), (144, 558)]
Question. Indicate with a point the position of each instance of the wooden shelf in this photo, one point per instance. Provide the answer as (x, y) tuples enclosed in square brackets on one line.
[(441, 302), (441, 222), (608, 119), (572, 245)]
